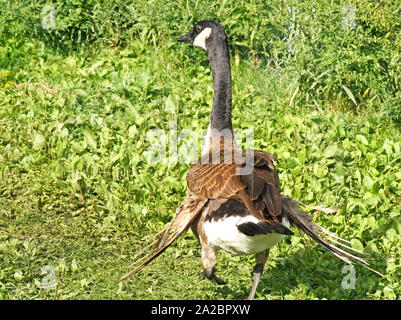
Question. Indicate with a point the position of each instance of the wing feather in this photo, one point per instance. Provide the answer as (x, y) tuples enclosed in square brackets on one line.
[(184, 216)]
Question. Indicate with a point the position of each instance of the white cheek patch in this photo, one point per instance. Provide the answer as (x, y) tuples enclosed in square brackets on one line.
[(200, 40)]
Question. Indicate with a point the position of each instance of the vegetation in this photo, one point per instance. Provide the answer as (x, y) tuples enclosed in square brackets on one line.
[(318, 82)]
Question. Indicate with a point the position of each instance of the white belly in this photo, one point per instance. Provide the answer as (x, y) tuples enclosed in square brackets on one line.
[(224, 234)]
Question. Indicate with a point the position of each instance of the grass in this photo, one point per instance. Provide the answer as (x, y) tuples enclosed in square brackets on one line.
[(77, 193)]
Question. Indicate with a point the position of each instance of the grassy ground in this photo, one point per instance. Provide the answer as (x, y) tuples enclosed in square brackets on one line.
[(78, 195)]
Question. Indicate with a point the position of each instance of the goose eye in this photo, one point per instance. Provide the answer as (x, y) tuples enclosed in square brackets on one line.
[(198, 28)]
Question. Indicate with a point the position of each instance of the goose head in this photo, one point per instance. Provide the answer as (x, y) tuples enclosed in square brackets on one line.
[(206, 34), (210, 36)]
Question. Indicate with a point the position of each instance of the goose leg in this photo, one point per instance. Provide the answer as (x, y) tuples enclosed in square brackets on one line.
[(261, 259), (209, 261)]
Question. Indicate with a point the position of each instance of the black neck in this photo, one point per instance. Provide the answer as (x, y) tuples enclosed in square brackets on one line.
[(219, 58)]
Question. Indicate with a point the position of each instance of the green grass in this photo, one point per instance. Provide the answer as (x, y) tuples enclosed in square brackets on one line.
[(77, 194)]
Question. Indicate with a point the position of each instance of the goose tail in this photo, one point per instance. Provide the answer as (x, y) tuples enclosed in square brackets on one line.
[(339, 247), (184, 216)]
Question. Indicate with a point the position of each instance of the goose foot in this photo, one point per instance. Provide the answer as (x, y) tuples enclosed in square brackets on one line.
[(210, 275)]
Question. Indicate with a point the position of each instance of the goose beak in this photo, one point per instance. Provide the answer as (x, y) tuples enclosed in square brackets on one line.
[(186, 38)]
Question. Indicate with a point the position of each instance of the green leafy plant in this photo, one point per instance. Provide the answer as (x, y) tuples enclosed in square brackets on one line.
[(78, 194)]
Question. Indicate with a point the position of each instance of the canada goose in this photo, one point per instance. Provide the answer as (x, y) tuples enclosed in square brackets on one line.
[(227, 207)]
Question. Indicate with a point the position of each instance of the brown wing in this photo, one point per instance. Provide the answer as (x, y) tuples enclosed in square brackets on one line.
[(263, 184), (184, 216), (211, 178)]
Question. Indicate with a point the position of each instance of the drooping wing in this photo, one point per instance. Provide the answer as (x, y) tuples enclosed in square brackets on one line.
[(184, 216), (339, 247)]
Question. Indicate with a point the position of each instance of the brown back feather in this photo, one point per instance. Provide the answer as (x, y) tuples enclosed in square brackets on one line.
[(212, 178)]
